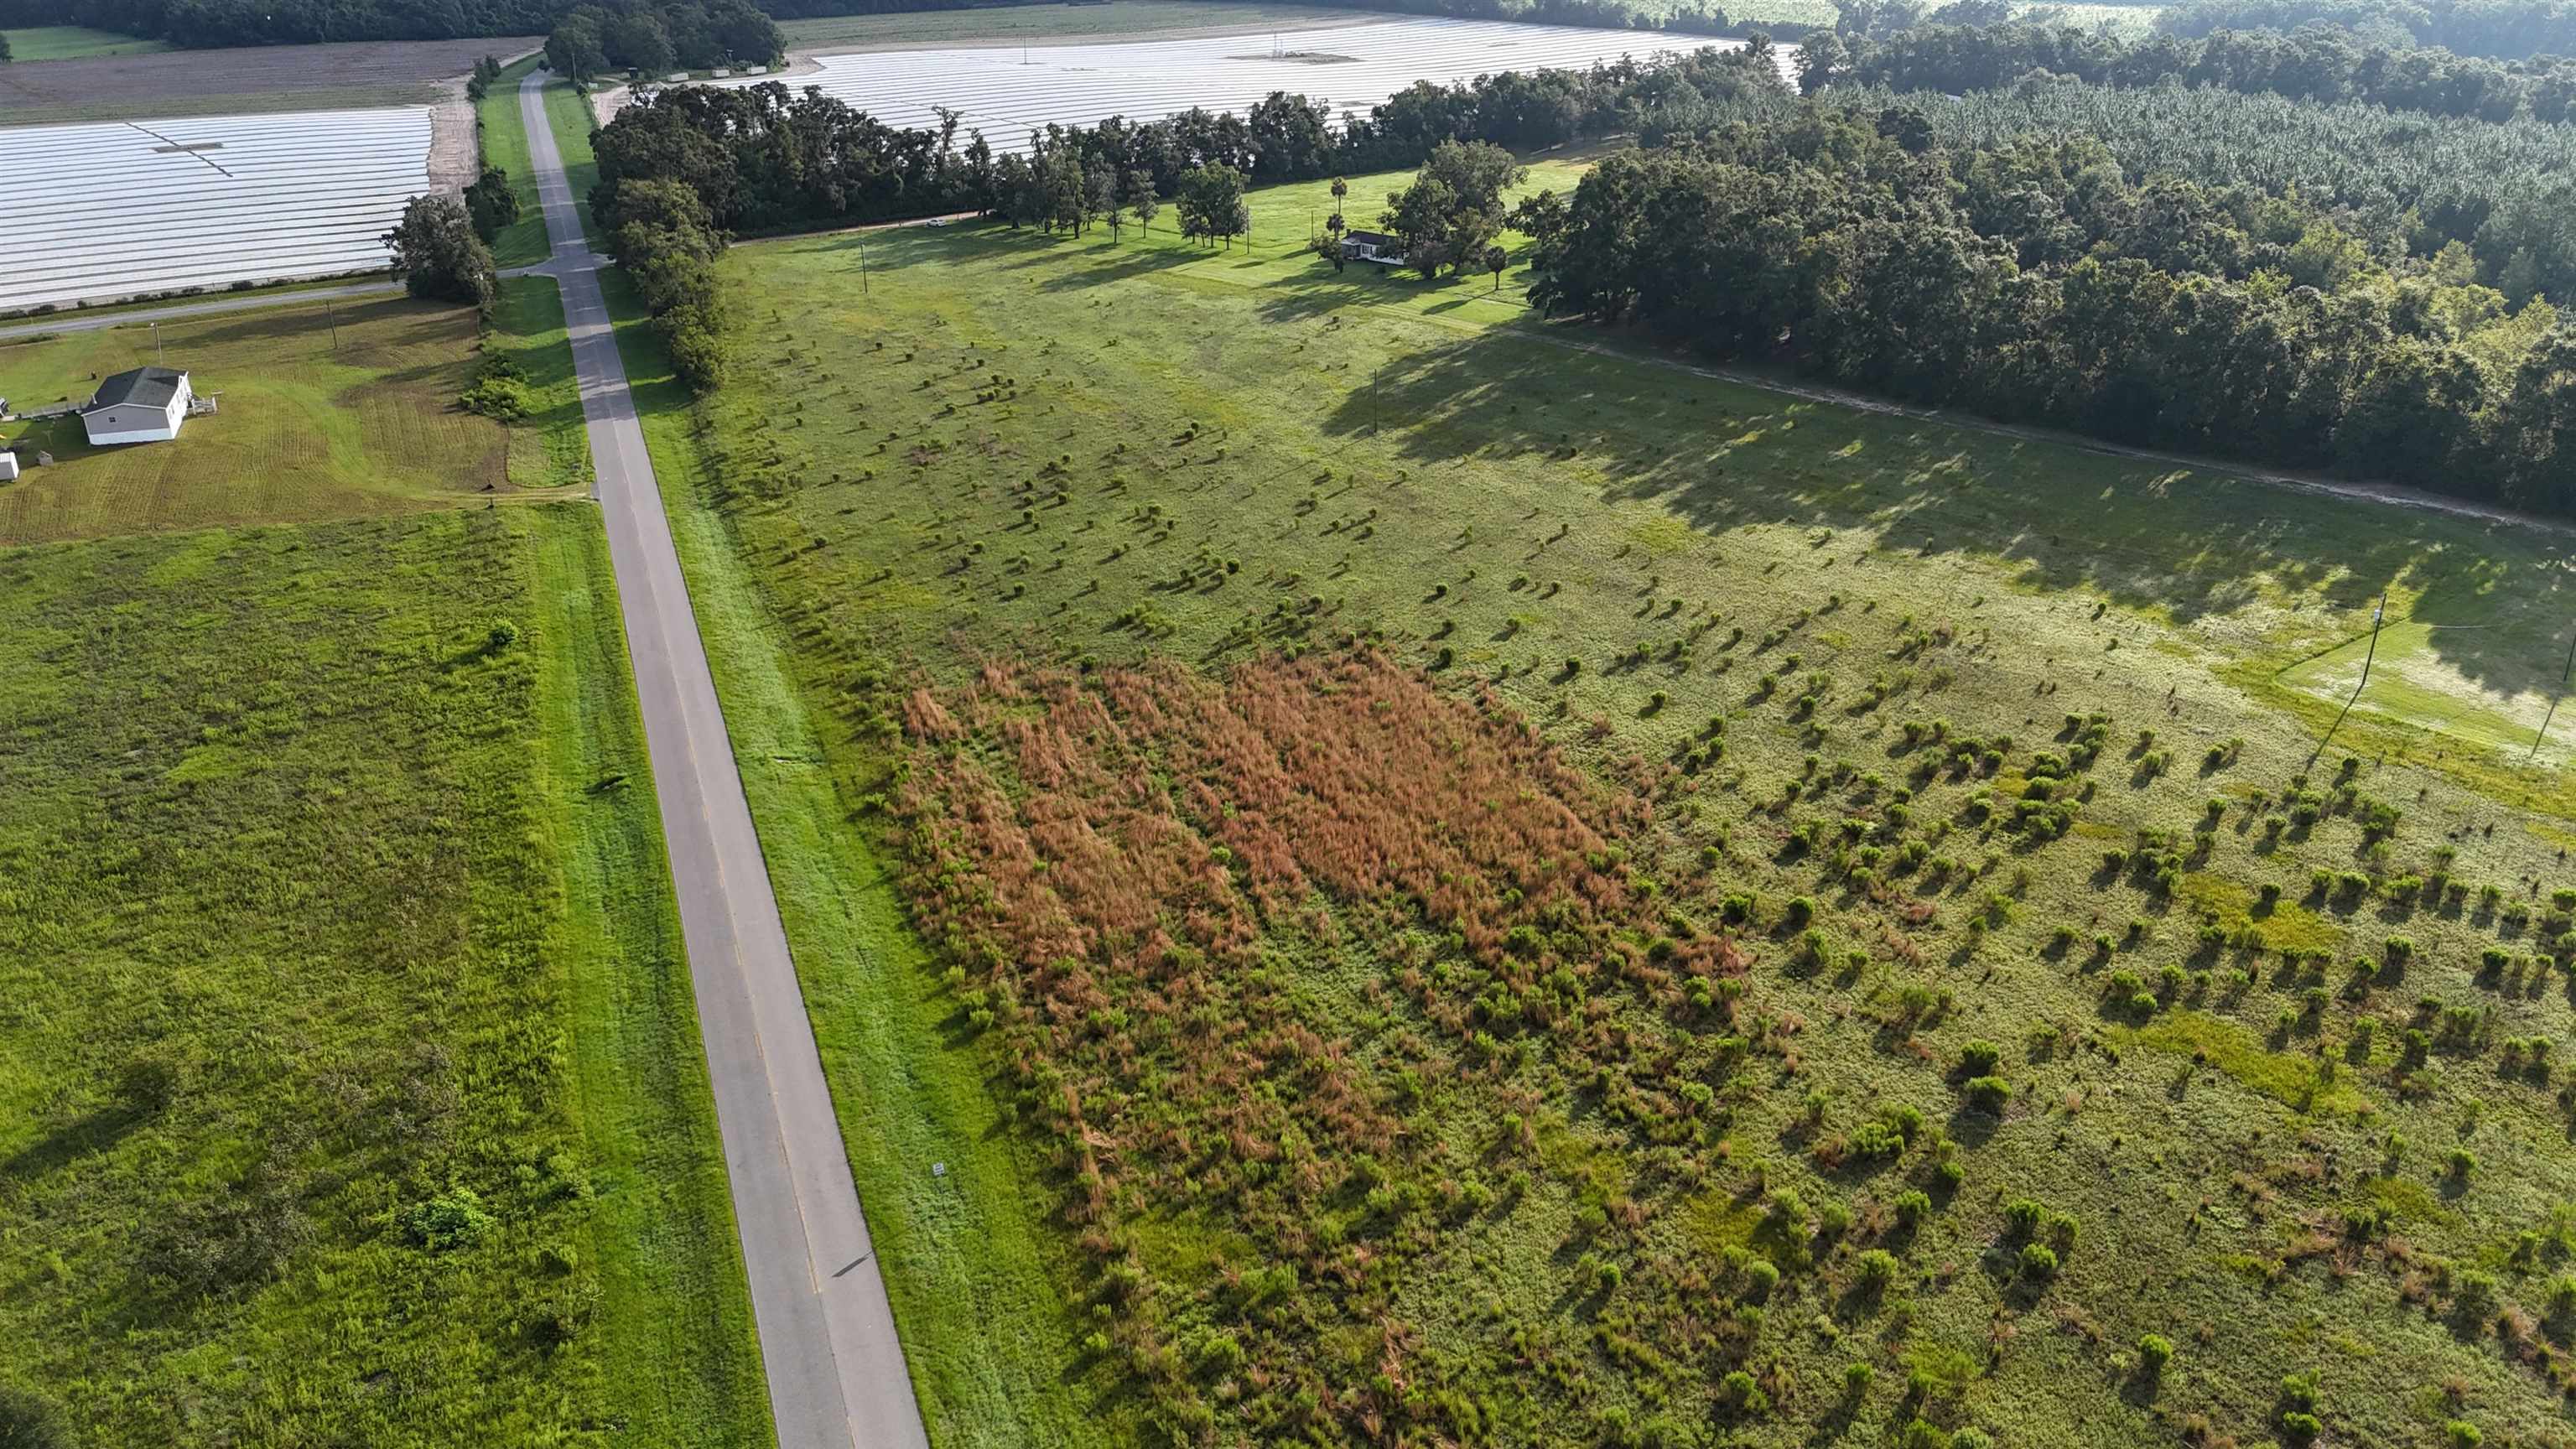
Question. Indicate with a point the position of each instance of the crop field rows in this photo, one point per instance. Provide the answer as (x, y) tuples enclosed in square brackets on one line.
[(204, 202), (134, 84), (1008, 91)]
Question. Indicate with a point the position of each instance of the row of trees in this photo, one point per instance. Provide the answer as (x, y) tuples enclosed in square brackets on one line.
[(2507, 29), (2030, 282), (1057, 186), (766, 159), (296, 22), (668, 242), (653, 36), (2313, 65)]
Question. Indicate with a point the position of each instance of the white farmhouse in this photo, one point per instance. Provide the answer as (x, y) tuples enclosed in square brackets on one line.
[(145, 405), (1373, 246)]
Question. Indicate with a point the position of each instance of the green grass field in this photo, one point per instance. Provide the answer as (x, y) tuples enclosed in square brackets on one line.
[(1060, 449), (505, 144), (335, 906), (377, 950), (73, 42), (310, 427)]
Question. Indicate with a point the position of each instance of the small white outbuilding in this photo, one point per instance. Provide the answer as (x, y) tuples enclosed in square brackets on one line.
[(8, 466), (144, 405)]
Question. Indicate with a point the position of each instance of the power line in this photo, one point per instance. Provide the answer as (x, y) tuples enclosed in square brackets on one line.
[(2377, 618)]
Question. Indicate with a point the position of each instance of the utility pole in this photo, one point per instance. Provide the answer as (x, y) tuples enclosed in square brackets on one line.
[(863, 266), (2554, 697), (331, 314), (156, 342), (2376, 619)]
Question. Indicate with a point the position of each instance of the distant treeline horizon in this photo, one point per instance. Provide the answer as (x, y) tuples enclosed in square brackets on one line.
[(213, 23)]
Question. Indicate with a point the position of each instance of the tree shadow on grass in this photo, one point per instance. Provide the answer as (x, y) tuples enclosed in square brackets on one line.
[(142, 1092), (2144, 533)]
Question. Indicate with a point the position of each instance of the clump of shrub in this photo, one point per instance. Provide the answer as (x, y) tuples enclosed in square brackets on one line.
[(499, 391), (454, 1219)]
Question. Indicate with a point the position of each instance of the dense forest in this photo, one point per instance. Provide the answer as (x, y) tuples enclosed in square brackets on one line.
[(2029, 281), (652, 36), (2314, 64), (2507, 29)]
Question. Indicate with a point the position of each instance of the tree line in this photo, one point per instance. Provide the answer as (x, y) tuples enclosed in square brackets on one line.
[(653, 36), (2500, 191), (2029, 281), (207, 23), (765, 159), (2310, 65), (2497, 196), (2504, 29)]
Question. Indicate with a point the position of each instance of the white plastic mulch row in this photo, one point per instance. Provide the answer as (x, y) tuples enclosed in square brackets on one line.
[(1006, 91), (97, 212)]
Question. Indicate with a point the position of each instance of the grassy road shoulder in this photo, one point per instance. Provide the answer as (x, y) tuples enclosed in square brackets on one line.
[(674, 1311), (972, 1277), (970, 1272), (505, 144)]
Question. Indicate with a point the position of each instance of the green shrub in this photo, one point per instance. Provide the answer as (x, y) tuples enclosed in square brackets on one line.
[(1989, 1094), (29, 1422), (1979, 1058), (2037, 1263), (1742, 1392), (453, 1219), (503, 399), (2154, 1352)]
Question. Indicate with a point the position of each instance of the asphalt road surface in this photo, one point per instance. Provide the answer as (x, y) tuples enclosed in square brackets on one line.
[(827, 1337)]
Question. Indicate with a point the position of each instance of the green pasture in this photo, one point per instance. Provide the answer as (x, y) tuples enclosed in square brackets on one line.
[(1110, 451)]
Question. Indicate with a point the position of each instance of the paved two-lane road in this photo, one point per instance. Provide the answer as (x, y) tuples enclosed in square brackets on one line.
[(827, 1339)]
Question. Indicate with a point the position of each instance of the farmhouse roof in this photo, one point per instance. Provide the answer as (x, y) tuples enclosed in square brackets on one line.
[(150, 387), (1374, 238)]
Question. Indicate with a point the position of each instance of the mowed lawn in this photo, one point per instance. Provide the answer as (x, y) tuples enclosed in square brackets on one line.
[(74, 42), (1102, 454), (505, 144), (326, 411)]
